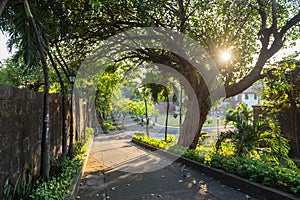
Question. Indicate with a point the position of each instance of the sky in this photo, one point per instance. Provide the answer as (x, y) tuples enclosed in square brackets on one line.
[(5, 54), (3, 50)]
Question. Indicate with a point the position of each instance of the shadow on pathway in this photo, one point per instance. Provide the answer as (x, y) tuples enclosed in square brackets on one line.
[(119, 170)]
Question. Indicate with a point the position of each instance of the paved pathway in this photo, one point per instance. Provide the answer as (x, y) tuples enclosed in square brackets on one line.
[(119, 170)]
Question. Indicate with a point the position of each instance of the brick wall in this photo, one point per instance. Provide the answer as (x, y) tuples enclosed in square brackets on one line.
[(21, 128)]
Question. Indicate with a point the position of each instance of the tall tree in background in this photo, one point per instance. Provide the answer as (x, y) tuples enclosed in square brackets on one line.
[(26, 60), (45, 159)]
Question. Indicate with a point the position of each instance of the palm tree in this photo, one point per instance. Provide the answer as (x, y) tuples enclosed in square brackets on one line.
[(32, 42), (249, 136), (18, 21), (45, 159)]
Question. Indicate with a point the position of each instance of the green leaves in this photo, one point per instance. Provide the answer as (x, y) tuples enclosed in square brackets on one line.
[(261, 140), (21, 189), (282, 89), (57, 187), (267, 173)]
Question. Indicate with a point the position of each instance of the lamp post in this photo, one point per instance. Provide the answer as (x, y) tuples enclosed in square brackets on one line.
[(72, 77), (84, 120), (218, 125)]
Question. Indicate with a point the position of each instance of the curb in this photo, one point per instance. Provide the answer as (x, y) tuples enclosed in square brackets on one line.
[(77, 179), (253, 188)]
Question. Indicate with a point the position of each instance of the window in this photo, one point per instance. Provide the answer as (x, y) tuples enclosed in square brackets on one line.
[(255, 96), (246, 96)]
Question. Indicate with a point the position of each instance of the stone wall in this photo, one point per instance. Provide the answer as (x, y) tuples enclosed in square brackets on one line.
[(21, 128)]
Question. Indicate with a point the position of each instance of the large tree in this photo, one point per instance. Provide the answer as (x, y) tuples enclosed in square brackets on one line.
[(45, 158), (219, 26), (252, 31)]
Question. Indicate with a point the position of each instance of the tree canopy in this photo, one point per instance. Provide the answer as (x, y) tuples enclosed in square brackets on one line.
[(251, 32)]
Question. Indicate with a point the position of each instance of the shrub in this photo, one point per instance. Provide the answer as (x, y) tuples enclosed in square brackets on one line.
[(107, 125), (62, 172), (252, 139), (22, 188), (270, 174), (57, 187)]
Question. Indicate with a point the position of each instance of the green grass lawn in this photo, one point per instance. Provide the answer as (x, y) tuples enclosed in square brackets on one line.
[(211, 120)]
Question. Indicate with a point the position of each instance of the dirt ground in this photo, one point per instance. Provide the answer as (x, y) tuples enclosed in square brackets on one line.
[(92, 182), (93, 165)]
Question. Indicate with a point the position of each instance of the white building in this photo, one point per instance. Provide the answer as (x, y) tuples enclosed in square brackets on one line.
[(249, 96)]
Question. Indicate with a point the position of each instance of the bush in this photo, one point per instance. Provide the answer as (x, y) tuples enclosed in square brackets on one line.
[(260, 140), (270, 174), (22, 188), (107, 125), (57, 187), (62, 172)]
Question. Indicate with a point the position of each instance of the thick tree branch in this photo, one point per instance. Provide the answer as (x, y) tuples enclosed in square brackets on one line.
[(182, 16), (262, 14), (290, 24), (265, 52), (264, 33), (274, 15)]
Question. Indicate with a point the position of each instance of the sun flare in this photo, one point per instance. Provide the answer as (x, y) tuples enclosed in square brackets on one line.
[(226, 56)]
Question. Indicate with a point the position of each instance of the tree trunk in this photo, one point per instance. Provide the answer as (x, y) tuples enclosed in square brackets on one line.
[(63, 106), (77, 116), (180, 109), (197, 110), (293, 114), (2, 5), (167, 118), (147, 120), (45, 154), (191, 126), (194, 143)]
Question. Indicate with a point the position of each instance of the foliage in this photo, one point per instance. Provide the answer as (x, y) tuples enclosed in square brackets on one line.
[(141, 136), (15, 74), (57, 187), (138, 108), (122, 107), (283, 88), (22, 188), (260, 139), (62, 172), (107, 125), (170, 145), (267, 173), (106, 85), (89, 134)]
